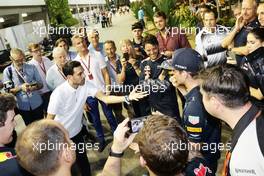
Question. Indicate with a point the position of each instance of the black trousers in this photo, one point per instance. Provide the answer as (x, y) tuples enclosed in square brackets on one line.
[(31, 115), (81, 155)]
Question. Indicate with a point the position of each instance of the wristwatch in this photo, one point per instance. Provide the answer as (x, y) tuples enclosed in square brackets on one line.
[(113, 154), (127, 99)]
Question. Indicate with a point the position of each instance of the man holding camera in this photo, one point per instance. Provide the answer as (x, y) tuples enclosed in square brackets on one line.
[(24, 81)]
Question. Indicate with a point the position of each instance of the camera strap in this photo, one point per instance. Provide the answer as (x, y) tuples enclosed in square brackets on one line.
[(20, 76)]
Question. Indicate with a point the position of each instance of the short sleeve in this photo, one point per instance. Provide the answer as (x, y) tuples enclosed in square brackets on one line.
[(55, 103), (91, 89)]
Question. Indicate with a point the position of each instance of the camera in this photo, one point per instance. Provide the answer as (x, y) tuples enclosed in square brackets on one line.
[(136, 124), (8, 85), (126, 56)]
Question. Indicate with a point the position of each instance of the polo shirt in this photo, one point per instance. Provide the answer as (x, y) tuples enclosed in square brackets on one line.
[(241, 37), (112, 70), (25, 101), (42, 69), (67, 104), (54, 77), (101, 48), (95, 62), (247, 159), (200, 126)]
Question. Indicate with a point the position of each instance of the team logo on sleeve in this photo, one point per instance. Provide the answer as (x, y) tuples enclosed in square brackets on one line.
[(202, 170), (5, 156), (194, 119)]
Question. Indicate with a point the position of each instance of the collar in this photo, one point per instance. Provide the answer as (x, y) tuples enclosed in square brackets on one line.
[(69, 87), (192, 93)]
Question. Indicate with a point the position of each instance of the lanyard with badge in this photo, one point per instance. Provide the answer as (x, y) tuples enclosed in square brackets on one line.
[(21, 77), (62, 74), (87, 67), (42, 67)]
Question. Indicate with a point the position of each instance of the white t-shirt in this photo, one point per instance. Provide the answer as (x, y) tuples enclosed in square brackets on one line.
[(42, 69), (246, 158), (97, 62), (67, 104)]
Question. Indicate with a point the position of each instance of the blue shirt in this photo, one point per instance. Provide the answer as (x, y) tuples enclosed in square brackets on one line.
[(101, 49), (141, 14), (25, 101)]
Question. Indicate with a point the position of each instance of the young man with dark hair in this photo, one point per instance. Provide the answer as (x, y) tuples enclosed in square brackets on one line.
[(226, 94), (137, 30), (169, 38), (8, 162), (44, 148), (202, 128), (67, 102), (162, 96)]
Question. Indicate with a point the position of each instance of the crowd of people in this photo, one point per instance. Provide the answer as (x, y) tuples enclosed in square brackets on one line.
[(184, 94)]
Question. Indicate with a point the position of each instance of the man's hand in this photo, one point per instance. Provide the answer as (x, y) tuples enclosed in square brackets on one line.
[(120, 142), (240, 22), (25, 87), (134, 95)]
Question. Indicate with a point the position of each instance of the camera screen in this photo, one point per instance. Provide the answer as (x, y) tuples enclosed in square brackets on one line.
[(137, 124)]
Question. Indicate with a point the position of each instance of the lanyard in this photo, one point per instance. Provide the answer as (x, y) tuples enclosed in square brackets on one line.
[(42, 67), (112, 66), (21, 75), (86, 66), (62, 74)]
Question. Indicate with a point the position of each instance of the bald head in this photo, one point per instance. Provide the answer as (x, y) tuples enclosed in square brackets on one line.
[(260, 12), (249, 8), (60, 56)]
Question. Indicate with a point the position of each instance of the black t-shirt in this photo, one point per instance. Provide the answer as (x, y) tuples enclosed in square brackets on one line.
[(201, 127), (164, 100), (198, 167), (140, 47), (8, 163), (241, 38)]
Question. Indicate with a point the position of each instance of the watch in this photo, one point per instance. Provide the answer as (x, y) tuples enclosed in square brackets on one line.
[(113, 154), (127, 99)]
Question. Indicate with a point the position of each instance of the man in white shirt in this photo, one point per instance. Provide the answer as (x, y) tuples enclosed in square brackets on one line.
[(55, 76), (208, 40), (95, 69), (67, 101), (42, 64)]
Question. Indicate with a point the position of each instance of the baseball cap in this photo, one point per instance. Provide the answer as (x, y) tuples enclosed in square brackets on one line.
[(137, 25), (184, 59)]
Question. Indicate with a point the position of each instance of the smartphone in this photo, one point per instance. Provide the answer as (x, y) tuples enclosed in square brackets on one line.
[(126, 56), (136, 124)]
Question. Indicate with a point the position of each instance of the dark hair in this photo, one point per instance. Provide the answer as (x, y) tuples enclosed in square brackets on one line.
[(137, 25), (151, 39), (46, 161), (258, 33), (61, 40), (211, 11), (159, 142), (7, 102), (69, 67), (160, 14), (228, 83), (110, 42)]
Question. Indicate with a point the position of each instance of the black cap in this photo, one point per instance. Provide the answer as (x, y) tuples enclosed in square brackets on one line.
[(184, 59), (137, 25)]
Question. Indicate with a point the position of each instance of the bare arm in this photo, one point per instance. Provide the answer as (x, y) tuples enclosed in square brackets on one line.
[(240, 50), (107, 80), (51, 116)]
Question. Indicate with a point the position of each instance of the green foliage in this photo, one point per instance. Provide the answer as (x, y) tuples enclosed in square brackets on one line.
[(226, 21), (135, 6), (177, 13), (59, 13)]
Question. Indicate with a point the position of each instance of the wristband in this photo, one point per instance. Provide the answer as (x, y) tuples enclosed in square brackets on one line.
[(127, 99), (113, 154)]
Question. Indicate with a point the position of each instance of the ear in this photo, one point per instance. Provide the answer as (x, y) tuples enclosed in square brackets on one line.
[(142, 161), (68, 156)]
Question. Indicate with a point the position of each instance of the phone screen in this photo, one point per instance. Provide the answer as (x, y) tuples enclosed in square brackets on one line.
[(136, 124)]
